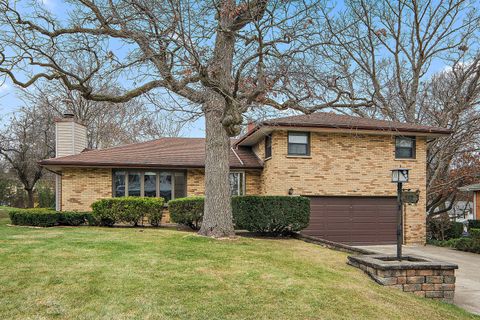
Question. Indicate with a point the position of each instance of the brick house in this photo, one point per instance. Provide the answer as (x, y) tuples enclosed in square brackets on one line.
[(474, 189), (341, 162)]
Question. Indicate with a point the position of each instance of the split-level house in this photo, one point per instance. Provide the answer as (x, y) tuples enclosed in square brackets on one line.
[(342, 163)]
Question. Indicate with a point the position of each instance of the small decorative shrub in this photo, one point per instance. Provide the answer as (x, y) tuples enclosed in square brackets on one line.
[(132, 210), (33, 217), (271, 214), (187, 211)]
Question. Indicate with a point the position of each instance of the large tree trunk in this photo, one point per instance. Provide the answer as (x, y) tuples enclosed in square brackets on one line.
[(217, 218), (30, 203)]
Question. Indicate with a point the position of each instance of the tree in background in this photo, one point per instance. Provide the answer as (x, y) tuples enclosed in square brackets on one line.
[(108, 124), (390, 50), (27, 139), (225, 57)]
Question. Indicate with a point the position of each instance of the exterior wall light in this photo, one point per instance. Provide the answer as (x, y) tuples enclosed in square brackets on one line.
[(290, 191), (399, 176)]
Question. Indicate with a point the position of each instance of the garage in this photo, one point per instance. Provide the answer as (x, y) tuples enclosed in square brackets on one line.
[(353, 220)]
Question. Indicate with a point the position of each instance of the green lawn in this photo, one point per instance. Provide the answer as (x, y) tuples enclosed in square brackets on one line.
[(101, 273)]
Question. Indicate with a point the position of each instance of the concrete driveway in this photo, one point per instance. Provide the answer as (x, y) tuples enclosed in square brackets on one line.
[(467, 287)]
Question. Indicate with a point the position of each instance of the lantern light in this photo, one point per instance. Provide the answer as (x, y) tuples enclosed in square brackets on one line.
[(400, 175)]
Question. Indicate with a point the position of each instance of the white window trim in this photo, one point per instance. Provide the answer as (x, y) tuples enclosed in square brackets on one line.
[(243, 181)]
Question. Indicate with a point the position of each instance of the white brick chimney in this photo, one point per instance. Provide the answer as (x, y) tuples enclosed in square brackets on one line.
[(70, 136), (70, 139)]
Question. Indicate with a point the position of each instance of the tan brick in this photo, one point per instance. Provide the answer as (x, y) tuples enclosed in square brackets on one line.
[(416, 279), (449, 279), (434, 279), (411, 273), (428, 287), (336, 167), (433, 294), (401, 280), (412, 287), (420, 293), (424, 273)]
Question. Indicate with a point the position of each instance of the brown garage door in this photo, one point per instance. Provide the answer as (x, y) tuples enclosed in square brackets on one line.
[(353, 220)]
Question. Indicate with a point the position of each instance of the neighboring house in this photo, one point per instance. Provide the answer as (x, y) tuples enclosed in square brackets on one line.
[(475, 189), (341, 162), (461, 211)]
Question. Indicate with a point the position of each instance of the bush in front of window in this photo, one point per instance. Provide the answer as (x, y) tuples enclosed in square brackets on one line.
[(277, 215), (130, 210), (33, 217), (187, 211)]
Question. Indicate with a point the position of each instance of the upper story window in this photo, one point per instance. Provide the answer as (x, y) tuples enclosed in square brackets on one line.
[(237, 183), (298, 143), (405, 147), (135, 183), (268, 146)]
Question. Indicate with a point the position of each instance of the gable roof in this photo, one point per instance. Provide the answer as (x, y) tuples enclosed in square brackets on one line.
[(160, 153), (345, 122)]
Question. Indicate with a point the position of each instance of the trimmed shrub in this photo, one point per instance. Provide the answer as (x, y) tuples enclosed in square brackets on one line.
[(187, 211), (271, 214), (475, 233), (66, 218), (132, 210), (33, 217), (474, 224), (264, 214), (468, 244)]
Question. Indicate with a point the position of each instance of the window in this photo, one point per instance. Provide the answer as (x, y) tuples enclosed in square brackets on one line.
[(268, 146), (166, 185), (119, 184), (150, 184), (237, 183), (405, 147), (299, 143), (136, 183)]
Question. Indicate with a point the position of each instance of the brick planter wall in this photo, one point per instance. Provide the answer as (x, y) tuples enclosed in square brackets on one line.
[(429, 279)]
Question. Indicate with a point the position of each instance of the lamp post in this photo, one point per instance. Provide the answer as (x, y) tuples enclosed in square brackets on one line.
[(399, 176)]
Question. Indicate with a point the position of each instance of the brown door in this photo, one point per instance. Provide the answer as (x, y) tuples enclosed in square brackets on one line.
[(353, 220)]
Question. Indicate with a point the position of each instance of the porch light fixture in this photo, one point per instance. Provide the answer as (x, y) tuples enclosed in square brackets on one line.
[(399, 176), (290, 191)]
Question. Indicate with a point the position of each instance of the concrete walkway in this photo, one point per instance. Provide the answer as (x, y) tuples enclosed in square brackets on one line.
[(467, 287)]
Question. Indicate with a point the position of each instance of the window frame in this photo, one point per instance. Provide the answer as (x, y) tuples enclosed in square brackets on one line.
[(413, 148), (268, 147), (307, 154), (142, 181), (243, 178)]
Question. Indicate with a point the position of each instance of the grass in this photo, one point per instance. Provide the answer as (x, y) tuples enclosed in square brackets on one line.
[(126, 273)]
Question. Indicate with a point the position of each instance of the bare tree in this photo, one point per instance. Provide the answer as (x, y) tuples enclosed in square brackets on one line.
[(388, 49), (108, 124), (226, 56), (27, 139)]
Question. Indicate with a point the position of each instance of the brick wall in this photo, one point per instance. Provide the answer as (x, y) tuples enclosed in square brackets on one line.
[(196, 182), (83, 186), (477, 205), (346, 165)]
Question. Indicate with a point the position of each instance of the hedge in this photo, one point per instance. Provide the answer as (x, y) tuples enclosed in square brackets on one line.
[(33, 217), (474, 224), (264, 214), (475, 233), (130, 210), (187, 211), (42, 217), (271, 214)]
